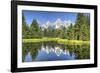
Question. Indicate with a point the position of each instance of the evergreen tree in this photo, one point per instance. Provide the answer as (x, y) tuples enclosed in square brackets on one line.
[(35, 30), (25, 28), (81, 27)]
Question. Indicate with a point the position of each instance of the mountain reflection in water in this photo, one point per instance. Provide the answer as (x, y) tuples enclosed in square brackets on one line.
[(52, 52)]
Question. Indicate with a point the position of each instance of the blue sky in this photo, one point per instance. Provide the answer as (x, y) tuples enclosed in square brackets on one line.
[(43, 16)]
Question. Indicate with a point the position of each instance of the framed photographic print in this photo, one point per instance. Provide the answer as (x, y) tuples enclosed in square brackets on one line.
[(51, 36)]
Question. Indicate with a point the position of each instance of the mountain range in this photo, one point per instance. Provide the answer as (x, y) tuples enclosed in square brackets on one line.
[(58, 24)]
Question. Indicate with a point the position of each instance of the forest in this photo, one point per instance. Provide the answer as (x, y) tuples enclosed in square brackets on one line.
[(77, 33)]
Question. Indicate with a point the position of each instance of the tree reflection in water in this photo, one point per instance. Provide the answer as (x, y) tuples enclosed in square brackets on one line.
[(51, 51)]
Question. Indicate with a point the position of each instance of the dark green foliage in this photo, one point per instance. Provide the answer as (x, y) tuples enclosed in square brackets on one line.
[(32, 48), (80, 51), (81, 29), (36, 31), (78, 31), (25, 28)]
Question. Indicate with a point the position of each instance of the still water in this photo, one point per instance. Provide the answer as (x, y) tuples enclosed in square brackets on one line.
[(50, 51)]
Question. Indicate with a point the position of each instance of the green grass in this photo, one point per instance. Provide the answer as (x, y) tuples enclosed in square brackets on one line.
[(73, 42), (58, 40), (39, 40)]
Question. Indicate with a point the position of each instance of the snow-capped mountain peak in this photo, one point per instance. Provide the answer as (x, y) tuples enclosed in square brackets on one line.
[(58, 24)]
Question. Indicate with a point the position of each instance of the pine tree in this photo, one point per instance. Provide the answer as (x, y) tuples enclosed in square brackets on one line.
[(82, 27), (25, 28), (36, 31)]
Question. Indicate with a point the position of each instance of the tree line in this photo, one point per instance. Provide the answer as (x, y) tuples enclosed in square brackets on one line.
[(79, 31)]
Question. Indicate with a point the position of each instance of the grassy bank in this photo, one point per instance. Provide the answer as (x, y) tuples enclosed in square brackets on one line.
[(58, 40)]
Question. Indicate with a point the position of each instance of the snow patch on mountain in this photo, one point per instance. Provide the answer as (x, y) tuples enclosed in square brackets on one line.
[(58, 24)]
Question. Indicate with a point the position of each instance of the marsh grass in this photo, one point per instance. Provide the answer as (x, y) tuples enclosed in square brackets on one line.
[(73, 42), (58, 40)]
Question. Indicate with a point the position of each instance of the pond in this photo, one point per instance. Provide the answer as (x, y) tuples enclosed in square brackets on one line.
[(51, 51)]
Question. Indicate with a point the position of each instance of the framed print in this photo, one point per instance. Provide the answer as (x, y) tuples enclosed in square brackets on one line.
[(51, 36)]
